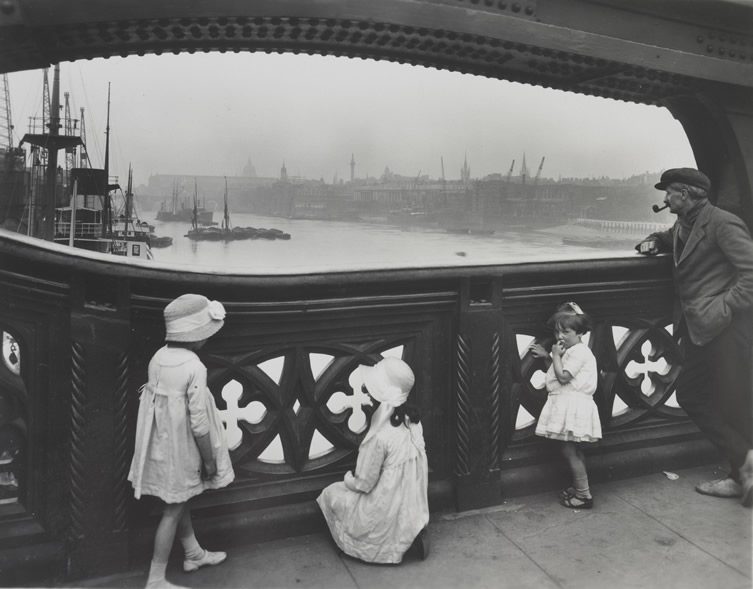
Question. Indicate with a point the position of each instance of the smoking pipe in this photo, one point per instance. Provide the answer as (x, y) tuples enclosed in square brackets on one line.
[(657, 208)]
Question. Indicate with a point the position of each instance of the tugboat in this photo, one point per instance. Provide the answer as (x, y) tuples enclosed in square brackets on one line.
[(84, 226)]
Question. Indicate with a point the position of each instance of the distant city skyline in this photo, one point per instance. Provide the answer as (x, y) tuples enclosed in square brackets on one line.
[(209, 114)]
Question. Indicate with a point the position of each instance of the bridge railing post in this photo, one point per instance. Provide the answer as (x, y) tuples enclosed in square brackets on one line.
[(97, 537), (482, 392)]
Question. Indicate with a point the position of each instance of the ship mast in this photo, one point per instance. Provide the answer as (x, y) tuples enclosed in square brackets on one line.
[(106, 204), (51, 142), (226, 219), (48, 211), (129, 199), (195, 217)]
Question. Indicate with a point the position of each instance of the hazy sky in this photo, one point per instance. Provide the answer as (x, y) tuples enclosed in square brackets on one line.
[(208, 114)]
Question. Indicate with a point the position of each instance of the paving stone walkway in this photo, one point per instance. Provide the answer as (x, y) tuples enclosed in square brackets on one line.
[(644, 533)]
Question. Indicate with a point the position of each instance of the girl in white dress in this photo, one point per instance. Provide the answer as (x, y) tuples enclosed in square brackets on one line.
[(570, 414), (180, 447), (379, 512)]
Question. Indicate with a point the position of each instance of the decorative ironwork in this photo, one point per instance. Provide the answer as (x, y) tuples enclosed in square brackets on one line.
[(463, 416), (410, 39), (13, 423), (647, 361), (78, 443), (11, 353), (495, 391), (297, 409), (122, 445)]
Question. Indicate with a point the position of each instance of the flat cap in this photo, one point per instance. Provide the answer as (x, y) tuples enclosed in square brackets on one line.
[(689, 176)]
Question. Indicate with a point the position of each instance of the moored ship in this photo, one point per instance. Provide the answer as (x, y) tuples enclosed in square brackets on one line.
[(172, 212), (226, 232)]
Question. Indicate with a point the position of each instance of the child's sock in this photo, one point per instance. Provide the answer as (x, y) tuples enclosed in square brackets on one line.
[(581, 493), (192, 548), (156, 572)]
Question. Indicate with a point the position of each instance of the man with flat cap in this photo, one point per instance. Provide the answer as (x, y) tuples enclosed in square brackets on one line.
[(713, 275)]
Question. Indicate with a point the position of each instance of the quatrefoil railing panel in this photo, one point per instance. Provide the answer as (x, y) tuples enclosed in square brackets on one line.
[(13, 424), (296, 410), (638, 366)]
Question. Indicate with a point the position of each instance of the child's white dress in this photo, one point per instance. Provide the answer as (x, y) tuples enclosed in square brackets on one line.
[(176, 407), (379, 521), (570, 413)]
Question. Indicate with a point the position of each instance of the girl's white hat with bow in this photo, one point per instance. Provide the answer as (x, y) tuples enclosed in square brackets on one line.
[(389, 381), (192, 318)]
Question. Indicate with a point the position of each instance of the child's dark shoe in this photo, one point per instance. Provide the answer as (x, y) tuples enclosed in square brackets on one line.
[(420, 546), (575, 502), (568, 492)]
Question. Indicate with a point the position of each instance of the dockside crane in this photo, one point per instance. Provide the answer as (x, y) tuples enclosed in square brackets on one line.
[(509, 172), (6, 123), (538, 172), (84, 161), (46, 100)]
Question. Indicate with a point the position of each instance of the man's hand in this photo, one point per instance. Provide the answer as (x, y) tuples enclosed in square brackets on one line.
[(648, 247)]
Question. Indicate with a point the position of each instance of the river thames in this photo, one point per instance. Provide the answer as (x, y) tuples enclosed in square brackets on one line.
[(335, 246)]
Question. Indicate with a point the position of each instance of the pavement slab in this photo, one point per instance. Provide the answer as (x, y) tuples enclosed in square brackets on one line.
[(622, 544), (649, 532), (717, 526), (465, 552)]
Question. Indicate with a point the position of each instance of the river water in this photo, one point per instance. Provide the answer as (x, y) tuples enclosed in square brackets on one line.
[(332, 246)]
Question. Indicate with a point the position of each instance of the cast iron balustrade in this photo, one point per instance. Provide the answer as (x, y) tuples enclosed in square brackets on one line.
[(83, 328), (80, 329)]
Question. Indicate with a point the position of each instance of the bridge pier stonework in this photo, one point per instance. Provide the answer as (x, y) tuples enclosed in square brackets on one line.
[(719, 126)]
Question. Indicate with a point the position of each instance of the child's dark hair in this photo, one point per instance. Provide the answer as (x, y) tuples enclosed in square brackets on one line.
[(400, 412), (570, 315)]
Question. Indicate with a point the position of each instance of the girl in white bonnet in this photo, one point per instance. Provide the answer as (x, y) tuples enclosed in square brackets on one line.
[(379, 512), (180, 447)]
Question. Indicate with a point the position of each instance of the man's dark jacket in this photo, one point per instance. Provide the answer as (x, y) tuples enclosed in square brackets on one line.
[(713, 272)]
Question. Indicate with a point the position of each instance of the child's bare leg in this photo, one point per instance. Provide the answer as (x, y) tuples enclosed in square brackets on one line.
[(163, 543), (577, 461), (187, 537), (195, 555)]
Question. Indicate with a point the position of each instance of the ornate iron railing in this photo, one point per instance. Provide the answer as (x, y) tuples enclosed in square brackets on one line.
[(78, 332)]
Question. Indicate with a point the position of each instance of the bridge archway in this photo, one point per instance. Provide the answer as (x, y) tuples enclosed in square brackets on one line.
[(464, 321), (696, 61)]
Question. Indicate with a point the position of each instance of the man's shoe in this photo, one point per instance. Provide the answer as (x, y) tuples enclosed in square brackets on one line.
[(726, 487), (209, 559)]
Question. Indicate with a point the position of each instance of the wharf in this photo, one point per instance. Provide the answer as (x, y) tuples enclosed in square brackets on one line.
[(646, 532)]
